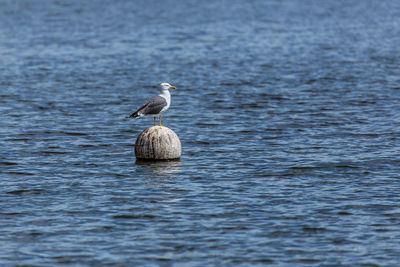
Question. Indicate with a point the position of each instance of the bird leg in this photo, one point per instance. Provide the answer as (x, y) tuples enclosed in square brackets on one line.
[(160, 122), (154, 121)]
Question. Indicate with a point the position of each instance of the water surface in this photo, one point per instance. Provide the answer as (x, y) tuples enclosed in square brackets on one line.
[(288, 114)]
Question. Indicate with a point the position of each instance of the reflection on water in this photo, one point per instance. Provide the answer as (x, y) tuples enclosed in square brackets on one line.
[(163, 167)]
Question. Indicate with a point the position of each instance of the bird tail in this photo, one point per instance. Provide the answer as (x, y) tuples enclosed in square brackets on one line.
[(134, 115)]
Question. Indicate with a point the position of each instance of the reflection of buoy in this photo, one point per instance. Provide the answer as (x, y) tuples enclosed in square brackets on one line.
[(158, 142)]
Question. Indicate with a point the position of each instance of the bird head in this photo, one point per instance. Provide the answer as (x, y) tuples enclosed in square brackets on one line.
[(166, 86)]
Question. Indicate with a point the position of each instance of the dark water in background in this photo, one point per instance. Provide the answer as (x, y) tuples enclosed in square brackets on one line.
[(288, 114)]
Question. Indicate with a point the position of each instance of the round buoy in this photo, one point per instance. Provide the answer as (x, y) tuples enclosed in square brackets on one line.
[(158, 143)]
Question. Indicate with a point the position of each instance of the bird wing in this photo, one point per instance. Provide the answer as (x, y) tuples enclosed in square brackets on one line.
[(153, 106)]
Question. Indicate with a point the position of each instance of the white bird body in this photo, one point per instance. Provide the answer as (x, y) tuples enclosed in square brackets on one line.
[(167, 96)]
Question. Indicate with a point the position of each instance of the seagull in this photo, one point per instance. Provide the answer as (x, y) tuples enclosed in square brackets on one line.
[(156, 105)]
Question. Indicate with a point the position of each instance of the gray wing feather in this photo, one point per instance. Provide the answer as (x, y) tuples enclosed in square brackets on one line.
[(153, 106)]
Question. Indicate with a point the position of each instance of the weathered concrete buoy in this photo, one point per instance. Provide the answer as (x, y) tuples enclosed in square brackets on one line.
[(158, 142)]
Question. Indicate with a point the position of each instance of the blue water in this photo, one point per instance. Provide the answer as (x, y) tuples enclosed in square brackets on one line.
[(287, 111)]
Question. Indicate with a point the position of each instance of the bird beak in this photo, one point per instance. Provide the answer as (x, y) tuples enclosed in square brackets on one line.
[(172, 87)]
